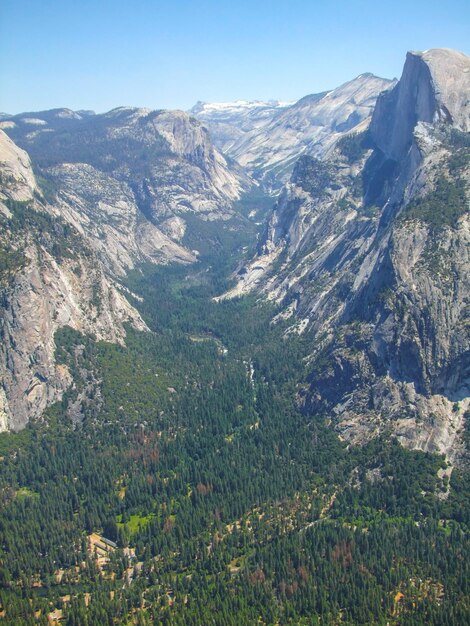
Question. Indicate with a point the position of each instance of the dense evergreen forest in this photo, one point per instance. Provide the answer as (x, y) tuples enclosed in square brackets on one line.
[(191, 489)]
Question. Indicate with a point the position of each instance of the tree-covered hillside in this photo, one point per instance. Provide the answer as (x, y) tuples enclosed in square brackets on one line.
[(178, 482)]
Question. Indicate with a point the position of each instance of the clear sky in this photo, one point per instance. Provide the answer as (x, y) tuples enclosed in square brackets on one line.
[(100, 54)]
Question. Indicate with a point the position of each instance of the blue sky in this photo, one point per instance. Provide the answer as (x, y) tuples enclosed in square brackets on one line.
[(101, 54)]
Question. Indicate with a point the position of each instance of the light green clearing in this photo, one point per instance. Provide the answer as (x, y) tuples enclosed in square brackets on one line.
[(135, 523)]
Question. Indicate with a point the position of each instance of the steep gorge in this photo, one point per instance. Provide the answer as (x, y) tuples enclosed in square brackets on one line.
[(109, 193), (366, 251)]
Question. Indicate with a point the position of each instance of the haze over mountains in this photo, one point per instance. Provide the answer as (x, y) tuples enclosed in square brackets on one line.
[(351, 250), (228, 122), (276, 136), (235, 359)]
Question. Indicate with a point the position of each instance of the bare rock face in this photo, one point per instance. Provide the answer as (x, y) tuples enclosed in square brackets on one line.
[(49, 278), (16, 172), (104, 210), (229, 122), (190, 176), (310, 126), (434, 89), (153, 152), (368, 252), (413, 99), (450, 75)]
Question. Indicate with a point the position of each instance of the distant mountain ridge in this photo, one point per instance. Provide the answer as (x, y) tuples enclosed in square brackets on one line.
[(229, 122), (269, 149)]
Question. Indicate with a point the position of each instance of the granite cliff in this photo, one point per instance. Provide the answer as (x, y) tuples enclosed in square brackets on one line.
[(49, 277), (367, 251), (108, 193), (269, 149)]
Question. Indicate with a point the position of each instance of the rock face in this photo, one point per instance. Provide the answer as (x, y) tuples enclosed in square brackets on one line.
[(112, 191), (105, 210), (368, 252), (127, 174), (17, 179), (310, 126), (229, 122), (433, 89), (194, 177), (49, 277)]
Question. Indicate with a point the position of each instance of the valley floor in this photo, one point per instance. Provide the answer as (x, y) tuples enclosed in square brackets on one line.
[(191, 489)]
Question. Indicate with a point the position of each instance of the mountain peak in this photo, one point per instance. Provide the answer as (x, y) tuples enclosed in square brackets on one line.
[(433, 88), (450, 75), (310, 126)]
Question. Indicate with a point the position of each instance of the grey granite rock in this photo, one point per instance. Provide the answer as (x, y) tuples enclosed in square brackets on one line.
[(370, 255)]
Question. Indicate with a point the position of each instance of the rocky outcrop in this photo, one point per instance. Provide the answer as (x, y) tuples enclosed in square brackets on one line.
[(368, 253), (49, 278), (154, 152), (16, 175)]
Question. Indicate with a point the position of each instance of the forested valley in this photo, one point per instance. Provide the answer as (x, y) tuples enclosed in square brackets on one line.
[(193, 488)]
